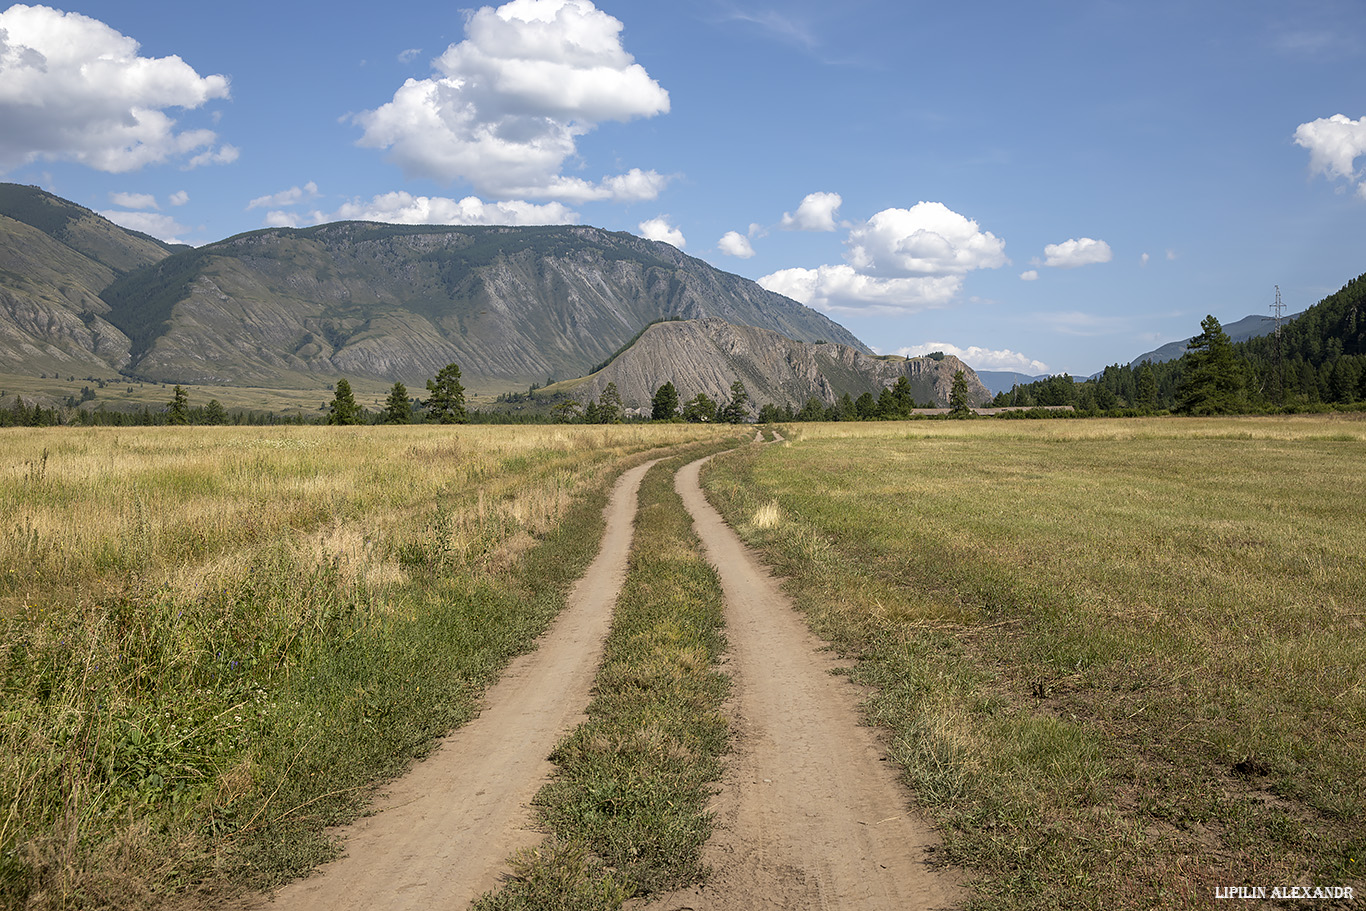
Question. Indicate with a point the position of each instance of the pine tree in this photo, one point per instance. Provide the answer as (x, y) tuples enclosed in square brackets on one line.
[(1214, 378), (344, 409), (700, 409), (664, 406), (737, 412), (958, 396), (446, 403), (609, 405), (214, 413), (398, 408), (179, 410)]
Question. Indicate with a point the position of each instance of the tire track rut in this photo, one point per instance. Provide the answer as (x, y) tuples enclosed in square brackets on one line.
[(809, 814), (441, 835)]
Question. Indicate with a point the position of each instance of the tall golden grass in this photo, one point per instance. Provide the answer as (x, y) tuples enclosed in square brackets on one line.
[(208, 634)]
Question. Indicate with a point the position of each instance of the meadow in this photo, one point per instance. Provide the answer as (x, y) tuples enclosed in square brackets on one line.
[(214, 641), (1121, 662)]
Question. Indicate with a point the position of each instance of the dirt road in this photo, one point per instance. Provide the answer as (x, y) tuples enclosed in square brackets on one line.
[(809, 815), (442, 834)]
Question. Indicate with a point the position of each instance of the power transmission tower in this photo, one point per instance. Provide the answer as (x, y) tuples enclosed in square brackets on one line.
[(1279, 308)]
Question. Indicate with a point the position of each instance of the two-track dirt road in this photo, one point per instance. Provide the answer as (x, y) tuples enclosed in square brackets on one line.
[(809, 814), (442, 834)]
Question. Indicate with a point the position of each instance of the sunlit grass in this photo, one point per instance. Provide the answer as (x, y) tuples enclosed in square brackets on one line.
[(1121, 660), (212, 640)]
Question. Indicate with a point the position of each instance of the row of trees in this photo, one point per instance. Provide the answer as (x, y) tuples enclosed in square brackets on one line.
[(895, 402), (1319, 359), (445, 403)]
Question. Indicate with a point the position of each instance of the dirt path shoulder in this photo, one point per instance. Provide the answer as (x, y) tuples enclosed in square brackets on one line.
[(810, 815), (440, 836)]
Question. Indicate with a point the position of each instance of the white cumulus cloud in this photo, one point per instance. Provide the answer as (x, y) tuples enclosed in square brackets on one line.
[(1029, 275), (816, 213), (163, 227), (899, 261), (980, 358), (927, 239), (404, 208), (733, 243), (1083, 251), (179, 198), (291, 197), (842, 289), (134, 200), (72, 88), (660, 229), (1334, 144), (505, 107)]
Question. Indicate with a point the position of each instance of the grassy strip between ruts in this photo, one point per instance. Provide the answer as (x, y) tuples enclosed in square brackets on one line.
[(1121, 662), (626, 809)]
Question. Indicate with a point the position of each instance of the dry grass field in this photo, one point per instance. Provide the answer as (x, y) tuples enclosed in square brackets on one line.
[(1121, 661), (213, 640)]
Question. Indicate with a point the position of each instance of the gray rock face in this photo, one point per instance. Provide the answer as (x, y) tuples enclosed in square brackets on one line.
[(511, 306), (709, 355)]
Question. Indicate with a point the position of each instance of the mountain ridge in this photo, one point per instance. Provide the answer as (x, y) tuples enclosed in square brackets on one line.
[(708, 355)]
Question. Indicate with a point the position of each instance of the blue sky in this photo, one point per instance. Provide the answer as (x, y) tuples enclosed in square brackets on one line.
[(1044, 187)]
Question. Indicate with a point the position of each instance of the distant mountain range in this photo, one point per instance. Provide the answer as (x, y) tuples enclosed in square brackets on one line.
[(998, 381), (708, 355), (289, 308)]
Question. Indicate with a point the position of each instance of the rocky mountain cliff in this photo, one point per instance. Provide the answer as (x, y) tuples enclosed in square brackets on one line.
[(511, 306), (297, 308), (708, 355), (55, 259)]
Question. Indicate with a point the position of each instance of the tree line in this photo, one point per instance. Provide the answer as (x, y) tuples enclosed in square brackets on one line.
[(1321, 362)]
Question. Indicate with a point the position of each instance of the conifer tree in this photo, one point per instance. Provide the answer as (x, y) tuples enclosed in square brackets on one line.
[(664, 406), (1214, 380), (446, 403), (179, 410), (344, 409), (398, 408), (958, 396)]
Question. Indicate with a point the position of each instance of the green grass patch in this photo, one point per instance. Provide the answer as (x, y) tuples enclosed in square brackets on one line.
[(1120, 662), (215, 642), (626, 810)]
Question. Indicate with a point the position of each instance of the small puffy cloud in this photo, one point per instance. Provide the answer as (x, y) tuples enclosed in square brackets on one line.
[(899, 261), (224, 154), (405, 209), (660, 229), (409, 55), (74, 89), (1334, 144), (291, 197), (842, 289), (1143, 260), (279, 218), (980, 358), (1029, 275), (163, 227), (816, 213), (733, 243), (927, 239), (1084, 251), (134, 200), (505, 107), (179, 198), (633, 186)]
